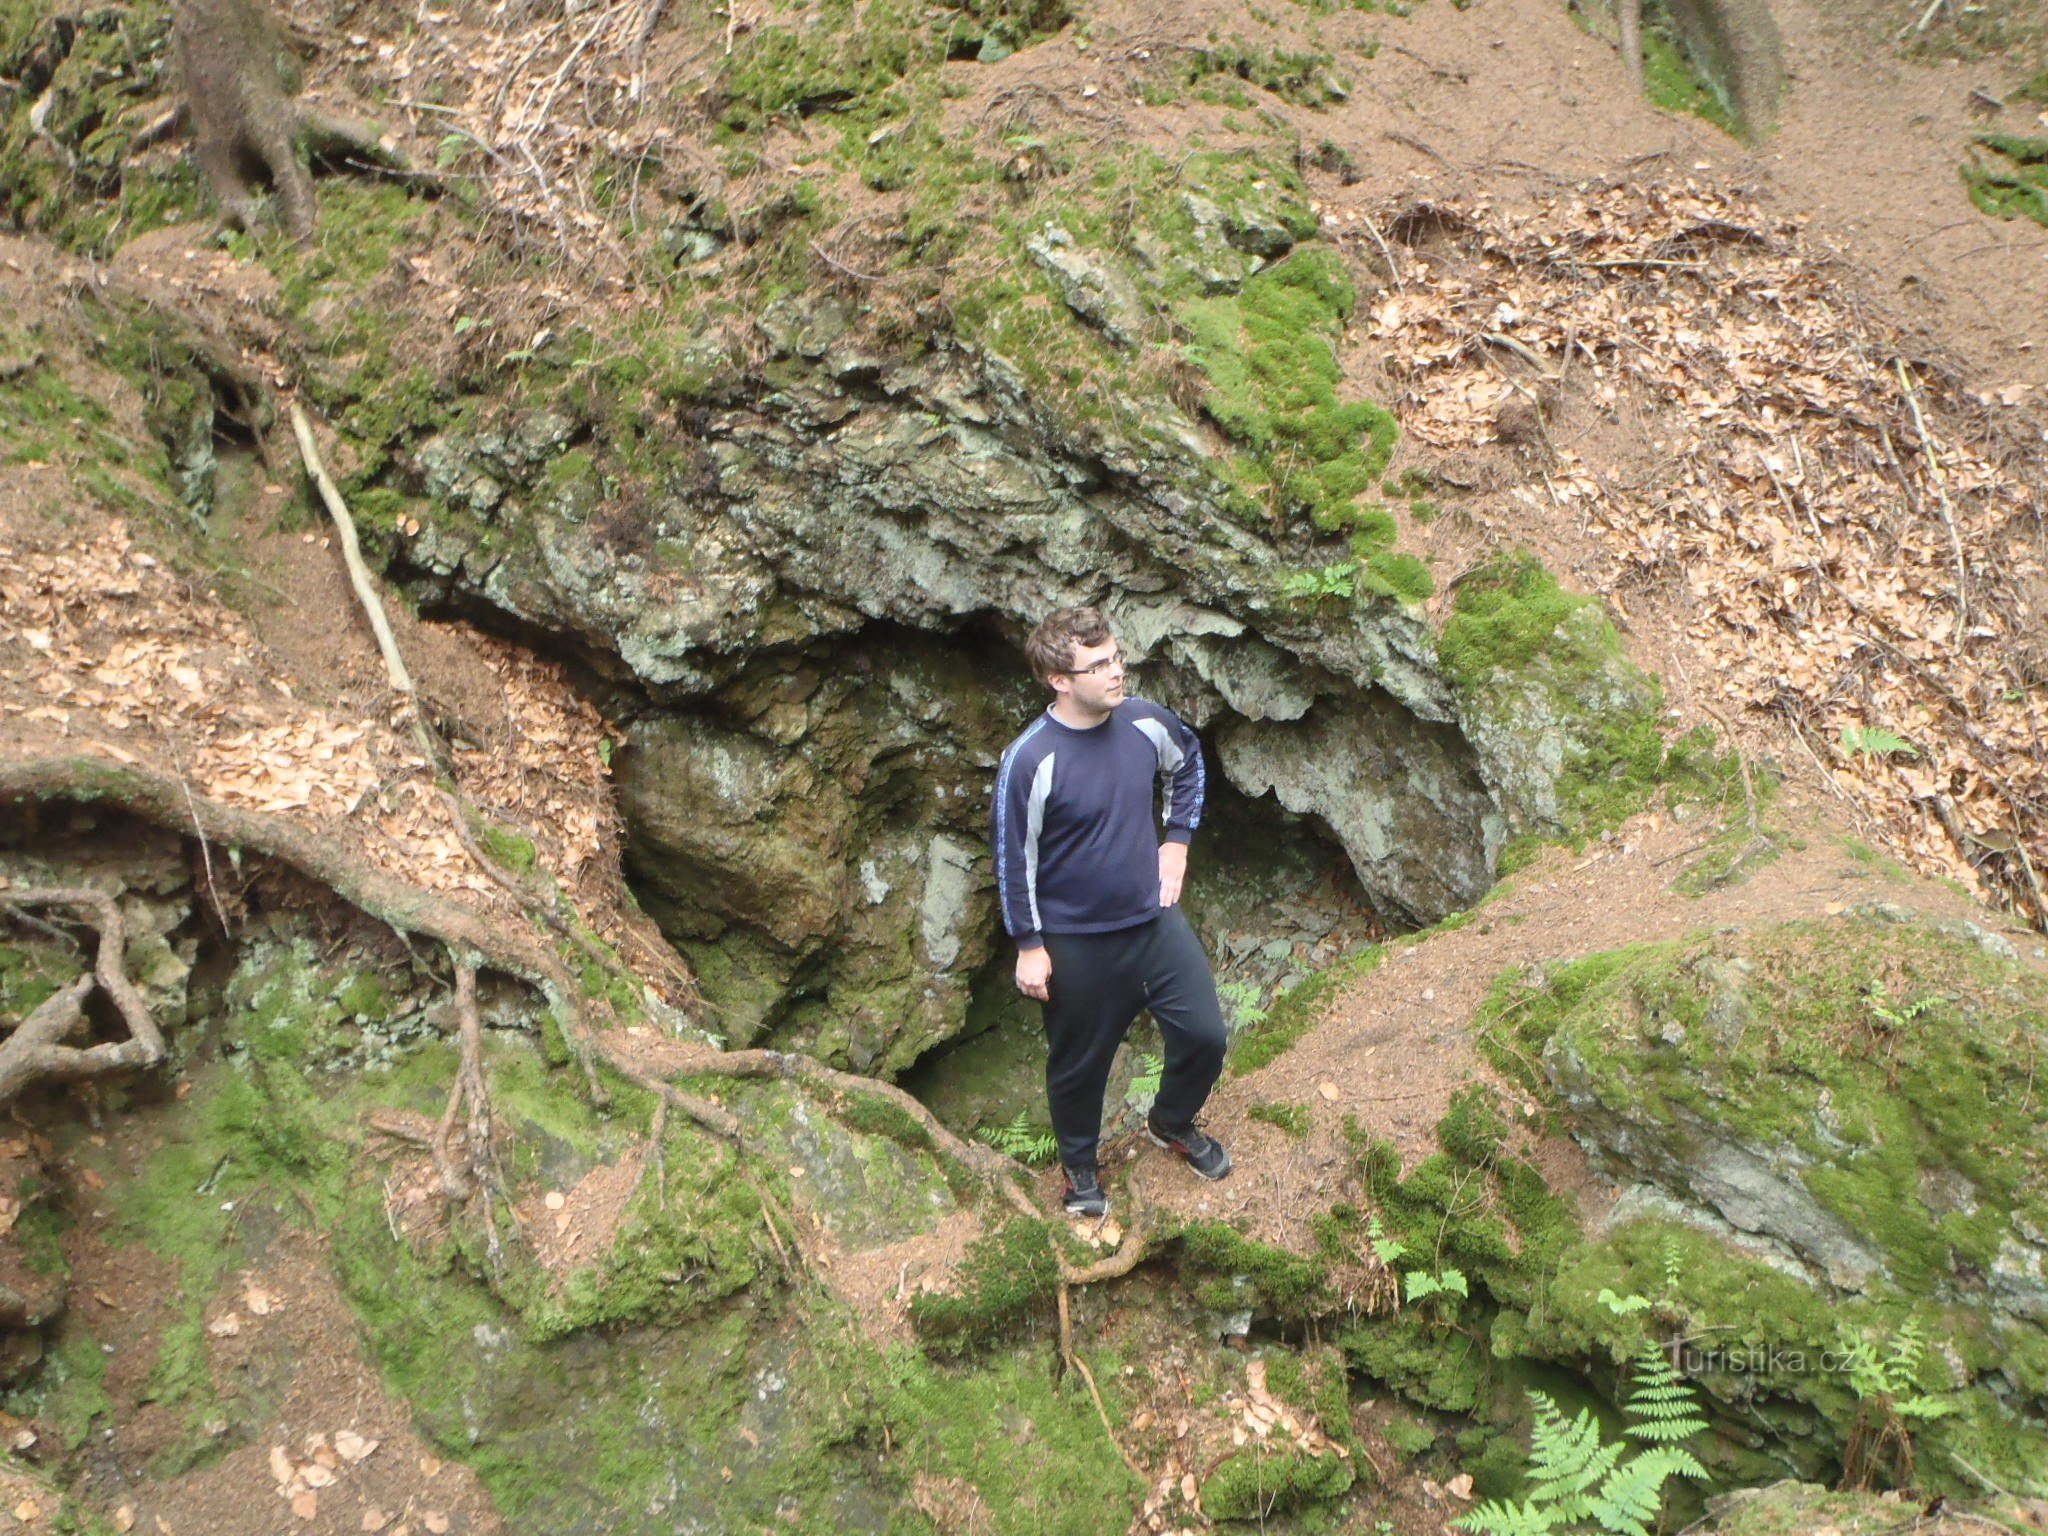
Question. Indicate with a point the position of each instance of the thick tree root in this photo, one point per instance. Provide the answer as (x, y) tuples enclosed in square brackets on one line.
[(35, 1052), (407, 908), (237, 74)]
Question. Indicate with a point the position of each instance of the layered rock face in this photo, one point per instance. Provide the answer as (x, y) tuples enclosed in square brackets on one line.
[(814, 613)]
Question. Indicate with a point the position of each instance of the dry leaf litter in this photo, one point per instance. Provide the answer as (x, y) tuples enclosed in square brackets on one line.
[(128, 660), (1853, 539)]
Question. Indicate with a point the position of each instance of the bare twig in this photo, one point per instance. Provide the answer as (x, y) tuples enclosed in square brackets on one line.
[(1948, 516)]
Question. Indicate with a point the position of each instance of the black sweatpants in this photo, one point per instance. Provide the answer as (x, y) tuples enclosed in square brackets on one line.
[(1100, 983)]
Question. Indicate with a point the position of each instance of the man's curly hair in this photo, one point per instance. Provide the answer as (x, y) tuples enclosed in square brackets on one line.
[(1051, 646)]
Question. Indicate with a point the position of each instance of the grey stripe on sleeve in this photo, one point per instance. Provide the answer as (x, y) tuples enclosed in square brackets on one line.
[(1034, 819), (1170, 754)]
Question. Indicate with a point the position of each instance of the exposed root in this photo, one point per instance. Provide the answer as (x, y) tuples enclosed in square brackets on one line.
[(36, 1052), (407, 908)]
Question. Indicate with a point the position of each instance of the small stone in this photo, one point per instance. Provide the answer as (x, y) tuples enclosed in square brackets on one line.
[(554, 1200)]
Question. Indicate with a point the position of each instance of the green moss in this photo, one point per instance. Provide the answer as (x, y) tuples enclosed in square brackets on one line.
[(1527, 656), (2009, 180), (1227, 1272), (69, 167), (73, 1387), (1503, 618), (873, 1115), (1437, 1370), (1737, 852), (1292, 1118), (1408, 1435), (507, 848), (1259, 1482), (1022, 1434), (1269, 353), (31, 973), (1398, 576), (1297, 1011), (1671, 82), (688, 1240), (1007, 1275)]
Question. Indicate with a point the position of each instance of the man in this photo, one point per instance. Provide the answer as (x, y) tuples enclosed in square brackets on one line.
[(1091, 894)]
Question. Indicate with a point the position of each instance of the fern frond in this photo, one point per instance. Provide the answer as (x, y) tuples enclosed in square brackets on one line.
[(1630, 1497), (1621, 1306), (1566, 1458), (1662, 1406), (1500, 1518)]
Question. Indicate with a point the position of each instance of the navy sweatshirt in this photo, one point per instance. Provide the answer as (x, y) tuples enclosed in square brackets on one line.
[(1076, 847)]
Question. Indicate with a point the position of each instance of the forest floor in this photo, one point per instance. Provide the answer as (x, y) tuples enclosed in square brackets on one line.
[(261, 697)]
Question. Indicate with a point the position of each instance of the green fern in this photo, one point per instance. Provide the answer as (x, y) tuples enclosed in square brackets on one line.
[(1893, 1378), (1871, 740), (1308, 588), (1662, 1408), (1622, 1306), (1145, 1085), (1568, 1459), (1022, 1140), (1384, 1248), (1497, 1517), (1578, 1480), (1422, 1284)]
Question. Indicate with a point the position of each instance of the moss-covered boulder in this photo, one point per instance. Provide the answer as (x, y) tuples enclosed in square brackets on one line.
[(1566, 728), (1825, 1140)]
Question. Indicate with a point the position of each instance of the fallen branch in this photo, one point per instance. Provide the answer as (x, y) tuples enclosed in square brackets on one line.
[(1948, 512)]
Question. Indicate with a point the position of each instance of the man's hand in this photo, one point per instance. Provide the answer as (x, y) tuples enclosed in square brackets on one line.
[(1173, 872), (1034, 972)]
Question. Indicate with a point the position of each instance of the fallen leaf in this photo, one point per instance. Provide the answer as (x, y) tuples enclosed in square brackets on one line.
[(1327, 1090), (280, 1464), (375, 1520), (124, 1518), (259, 1301), (306, 1505), (1187, 1486), (317, 1476), (225, 1326), (429, 1465), (435, 1521), (353, 1447), (27, 1510), (1460, 1487)]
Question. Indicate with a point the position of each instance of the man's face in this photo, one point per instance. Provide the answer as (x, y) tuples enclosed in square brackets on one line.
[(1095, 677)]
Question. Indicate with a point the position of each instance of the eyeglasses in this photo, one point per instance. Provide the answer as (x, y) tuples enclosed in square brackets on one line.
[(1110, 663)]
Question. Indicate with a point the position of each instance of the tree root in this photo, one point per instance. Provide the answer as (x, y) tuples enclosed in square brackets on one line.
[(35, 1052), (407, 908)]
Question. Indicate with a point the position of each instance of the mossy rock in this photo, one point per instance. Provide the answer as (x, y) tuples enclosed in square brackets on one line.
[(1569, 730)]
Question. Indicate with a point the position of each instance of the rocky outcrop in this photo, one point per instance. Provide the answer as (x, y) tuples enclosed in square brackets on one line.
[(1784, 1090), (807, 784)]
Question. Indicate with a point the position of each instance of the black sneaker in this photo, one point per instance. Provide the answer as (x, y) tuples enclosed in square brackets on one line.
[(1084, 1196), (1204, 1154)]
